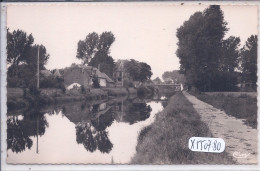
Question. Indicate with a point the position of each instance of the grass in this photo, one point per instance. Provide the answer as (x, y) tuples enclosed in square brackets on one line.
[(166, 140), (242, 106)]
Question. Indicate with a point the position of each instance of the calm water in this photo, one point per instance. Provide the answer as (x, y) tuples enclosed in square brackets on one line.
[(96, 132)]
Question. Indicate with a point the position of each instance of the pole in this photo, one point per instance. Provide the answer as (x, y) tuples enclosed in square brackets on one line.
[(122, 74), (37, 149), (38, 68)]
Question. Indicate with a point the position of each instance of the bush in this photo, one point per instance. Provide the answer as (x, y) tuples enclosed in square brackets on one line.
[(95, 82), (51, 82)]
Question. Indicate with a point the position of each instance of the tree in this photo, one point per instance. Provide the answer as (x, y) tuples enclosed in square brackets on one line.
[(105, 62), (174, 76), (229, 58), (157, 80), (22, 59), (88, 47), (18, 46), (94, 43), (200, 41), (105, 41), (138, 71), (94, 51), (249, 61)]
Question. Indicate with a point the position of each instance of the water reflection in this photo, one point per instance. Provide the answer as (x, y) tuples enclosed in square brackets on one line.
[(92, 122), (19, 129)]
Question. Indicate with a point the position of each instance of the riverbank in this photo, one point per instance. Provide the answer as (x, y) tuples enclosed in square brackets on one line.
[(22, 99), (239, 105), (166, 140)]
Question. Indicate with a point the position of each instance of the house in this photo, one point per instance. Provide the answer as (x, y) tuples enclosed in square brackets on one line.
[(83, 75), (104, 80), (57, 73)]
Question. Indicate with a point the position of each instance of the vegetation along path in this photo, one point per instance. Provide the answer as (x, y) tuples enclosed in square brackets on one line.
[(240, 139)]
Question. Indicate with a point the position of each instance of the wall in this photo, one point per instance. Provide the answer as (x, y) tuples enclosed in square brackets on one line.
[(75, 75), (102, 82)]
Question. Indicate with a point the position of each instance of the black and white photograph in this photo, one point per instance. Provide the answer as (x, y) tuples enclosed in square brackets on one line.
[(131, 83)]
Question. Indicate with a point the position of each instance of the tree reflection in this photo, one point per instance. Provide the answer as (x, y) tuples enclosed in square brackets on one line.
[(103, 121), (85, 137), (93, 135), (137, 112), (33, 123), (92, 139), (17, 140), (103, 142)]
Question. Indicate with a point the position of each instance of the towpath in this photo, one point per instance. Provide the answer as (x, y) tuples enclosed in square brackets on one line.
[(240, 139)]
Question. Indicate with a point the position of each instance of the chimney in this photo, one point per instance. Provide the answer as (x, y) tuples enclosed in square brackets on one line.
[(99, 67)]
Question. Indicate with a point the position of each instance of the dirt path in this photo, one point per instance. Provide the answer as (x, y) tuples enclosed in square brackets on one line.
[(240, 139)]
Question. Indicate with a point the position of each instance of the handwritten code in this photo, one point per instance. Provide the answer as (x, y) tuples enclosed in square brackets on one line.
[(203, 144)]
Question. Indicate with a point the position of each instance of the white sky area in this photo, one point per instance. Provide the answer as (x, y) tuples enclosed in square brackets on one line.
[(144, 31)]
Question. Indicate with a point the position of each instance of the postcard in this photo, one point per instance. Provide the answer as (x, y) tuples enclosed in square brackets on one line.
[(131, 83)]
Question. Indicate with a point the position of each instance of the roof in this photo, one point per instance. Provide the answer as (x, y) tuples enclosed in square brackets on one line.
[(103, 75), (88, 70), (57, 73)]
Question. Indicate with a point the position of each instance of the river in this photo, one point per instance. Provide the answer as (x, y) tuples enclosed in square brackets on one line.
[(80, 133)]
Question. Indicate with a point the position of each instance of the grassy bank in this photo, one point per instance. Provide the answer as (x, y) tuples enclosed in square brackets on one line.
[(166, 140), (18, 101), (39, 99), (242, 106)]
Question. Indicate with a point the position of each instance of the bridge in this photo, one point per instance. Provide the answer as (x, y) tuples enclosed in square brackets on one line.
[(176, 87)]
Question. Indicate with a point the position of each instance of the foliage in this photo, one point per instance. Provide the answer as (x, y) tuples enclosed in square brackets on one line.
[(88, 47), (249, 62), (22, 59), (105, 62), (137, 112), (157, 80), (94, 51), (144, 91), (18, 46), (51, 82), (207, 60), (138, 71), (174, 76), (19, 132)]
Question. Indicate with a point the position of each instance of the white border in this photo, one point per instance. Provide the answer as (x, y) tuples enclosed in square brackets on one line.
[(3, 99)]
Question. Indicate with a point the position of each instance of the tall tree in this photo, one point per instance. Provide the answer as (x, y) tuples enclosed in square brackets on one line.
[(249, 61), (88, 47), (18, 46), (94, 43), (200, 41), (94, 51), (22, 59), (106, 39), (229, 58), (104, 61)]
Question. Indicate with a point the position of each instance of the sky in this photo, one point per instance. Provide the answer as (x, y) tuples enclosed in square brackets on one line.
[(144, 31)]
